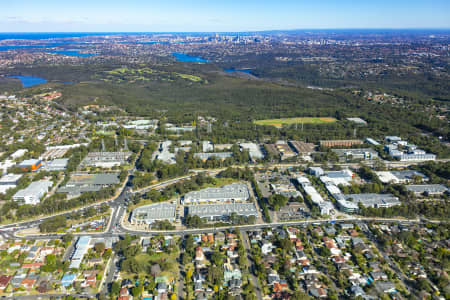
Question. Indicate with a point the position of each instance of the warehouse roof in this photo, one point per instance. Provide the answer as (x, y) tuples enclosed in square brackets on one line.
[(429, 188), (231, 191), (35, 188), (374, 200), (217, 210), (152, 212)]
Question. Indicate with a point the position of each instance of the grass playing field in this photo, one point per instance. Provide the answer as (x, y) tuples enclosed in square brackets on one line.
[(289, 121)]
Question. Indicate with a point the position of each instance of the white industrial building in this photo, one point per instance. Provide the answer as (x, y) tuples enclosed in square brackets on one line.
[(105, 159), (59, 164), (148, 214), (217, 155), (228, 193), (430, 189), (34, 192), (9, 181), (214, 212), (343, 177), (254, 150), (19, 153), (404, 176), (374, 200), (326, 207), (207, 146), (81, 248), (163, 153)]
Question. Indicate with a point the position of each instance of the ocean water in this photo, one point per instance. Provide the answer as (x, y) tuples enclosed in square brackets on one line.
[(28, 81), (71, 53), (46, 35), (186, 58)]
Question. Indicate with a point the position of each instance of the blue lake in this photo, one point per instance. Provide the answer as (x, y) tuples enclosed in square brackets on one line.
[(186, 58), (248, 71), (28, 81), (71, 53)]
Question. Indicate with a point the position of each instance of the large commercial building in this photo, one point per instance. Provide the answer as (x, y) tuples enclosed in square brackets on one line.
[(163, 153), (405, 176), (343, 177), (302, 147), (148, 214), (430, 189), (214, 212), (105, 159), (81, 248), (9, 181), (217, 155), (326, 207), (340, 143), (358, 154), (374, 200), (228, 193), (31, 165), (82, 183), (59, 164), (19, 153), (53, 152), (254, 150), (142, 124), (34, 192)]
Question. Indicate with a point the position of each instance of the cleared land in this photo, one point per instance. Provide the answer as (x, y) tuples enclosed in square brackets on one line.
[(289, 121)]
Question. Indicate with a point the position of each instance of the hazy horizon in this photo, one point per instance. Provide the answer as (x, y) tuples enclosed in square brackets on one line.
[(229, 16)]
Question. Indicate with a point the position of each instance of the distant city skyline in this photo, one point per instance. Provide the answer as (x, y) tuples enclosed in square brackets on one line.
[(212, 16)]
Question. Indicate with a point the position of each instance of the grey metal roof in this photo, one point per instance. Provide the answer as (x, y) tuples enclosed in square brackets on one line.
[(374, 200), (150, 213), (219, 155), (218, 210), (430, 188), (34, 189), (232, 191)]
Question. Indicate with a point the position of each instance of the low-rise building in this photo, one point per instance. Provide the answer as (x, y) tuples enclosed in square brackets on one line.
[(81, 183), (59, 164), (302, 147), (9, 181), (405, 176), (430, 189), (254, 150), (217, 155), (356, 154), (228, 193), (148, 214), (374, 200), (215, 212), (343, 143), (34, 192), (105, 159), (32, 165), (81, 248)]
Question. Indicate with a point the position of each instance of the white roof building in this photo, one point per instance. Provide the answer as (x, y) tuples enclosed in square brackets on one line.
[(34, 192), (19, 153), (9, 181), (254, 150), (228, 193)]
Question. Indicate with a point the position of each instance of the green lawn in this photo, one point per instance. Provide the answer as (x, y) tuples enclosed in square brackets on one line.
[(289, 121)]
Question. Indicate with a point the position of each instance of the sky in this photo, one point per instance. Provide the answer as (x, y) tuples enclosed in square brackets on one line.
[(216, 16)]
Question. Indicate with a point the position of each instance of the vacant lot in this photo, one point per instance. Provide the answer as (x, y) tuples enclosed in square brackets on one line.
[(289, 121)]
